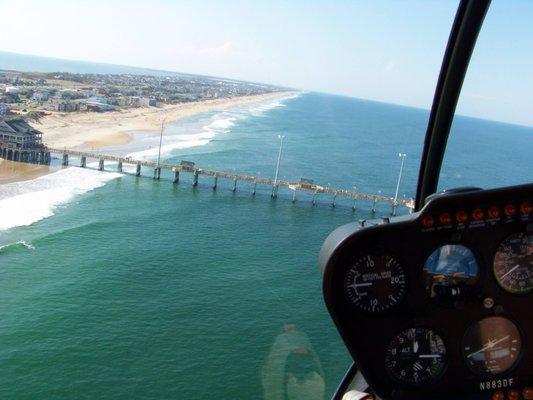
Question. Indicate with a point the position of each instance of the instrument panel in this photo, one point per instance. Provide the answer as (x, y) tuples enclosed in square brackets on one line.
[(438, 303)]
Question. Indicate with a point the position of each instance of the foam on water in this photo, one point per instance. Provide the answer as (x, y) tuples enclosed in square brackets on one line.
[(20, 243), (24, 203), (221, 122), (178, 143), (258, 109)]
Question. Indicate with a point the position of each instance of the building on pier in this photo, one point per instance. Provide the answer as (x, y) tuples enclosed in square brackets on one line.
[(306, 183), (20, 142)]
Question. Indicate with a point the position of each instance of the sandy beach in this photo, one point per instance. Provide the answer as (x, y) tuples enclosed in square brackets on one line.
[(91, 130)]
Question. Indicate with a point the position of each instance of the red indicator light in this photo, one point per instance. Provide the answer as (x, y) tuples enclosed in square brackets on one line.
[(527, 393), (478, 214), (445, 219), (461, 216), (494, 212), (509, 210), (513, 394), (427, 221), (498, 396), (525, 208)]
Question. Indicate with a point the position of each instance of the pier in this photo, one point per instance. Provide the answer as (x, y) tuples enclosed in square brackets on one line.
[(304, 185)]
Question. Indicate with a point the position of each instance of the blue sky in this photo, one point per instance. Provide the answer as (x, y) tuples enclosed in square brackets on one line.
[(382, 50)]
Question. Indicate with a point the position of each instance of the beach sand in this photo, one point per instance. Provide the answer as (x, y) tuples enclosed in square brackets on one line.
[(15, 172), (90, 130)]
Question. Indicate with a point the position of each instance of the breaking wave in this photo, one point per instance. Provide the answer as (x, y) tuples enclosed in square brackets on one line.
[(24, 203), (17, 245), (221, 122)]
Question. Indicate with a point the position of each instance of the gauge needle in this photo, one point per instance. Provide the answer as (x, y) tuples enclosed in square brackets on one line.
[(429, 356), (489, 345), (360, 284), (510, 271)]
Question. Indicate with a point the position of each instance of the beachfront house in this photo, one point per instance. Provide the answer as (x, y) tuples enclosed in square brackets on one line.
[(136, 101), (99, 104), (61, 105), (20, 142)]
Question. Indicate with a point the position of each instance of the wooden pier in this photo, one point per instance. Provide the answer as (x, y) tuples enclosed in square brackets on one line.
[(189, 167)]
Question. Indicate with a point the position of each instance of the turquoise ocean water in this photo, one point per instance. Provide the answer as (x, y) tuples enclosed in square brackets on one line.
[(117, 287)]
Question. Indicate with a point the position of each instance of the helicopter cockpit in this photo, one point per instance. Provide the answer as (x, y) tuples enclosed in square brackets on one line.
[(437, 304)]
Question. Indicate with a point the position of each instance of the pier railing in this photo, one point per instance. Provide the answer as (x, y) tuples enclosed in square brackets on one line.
[(196, 171)]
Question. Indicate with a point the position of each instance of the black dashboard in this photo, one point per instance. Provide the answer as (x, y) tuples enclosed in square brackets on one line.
[(439, 303)]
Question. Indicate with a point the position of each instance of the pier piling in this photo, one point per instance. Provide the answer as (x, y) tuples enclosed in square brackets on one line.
[(374, 205), (294, 196), (274, 191), (195, 179), (65, 160), (157, 173), (334, 200), (176, 176), (255, 188), (83, 161), (101, 164), (119, 166), (314, 198), (215, 182), (138, 170), (234, 184)]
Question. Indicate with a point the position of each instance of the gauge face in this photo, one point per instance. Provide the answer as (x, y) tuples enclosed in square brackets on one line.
[(492, 346), (449, 268), (452, 260), (375, 283), (416, 356), (513, 264)]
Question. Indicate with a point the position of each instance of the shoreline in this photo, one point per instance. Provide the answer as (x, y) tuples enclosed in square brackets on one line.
[(96, 130)]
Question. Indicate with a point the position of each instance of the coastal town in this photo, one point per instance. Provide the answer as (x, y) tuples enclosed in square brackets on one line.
[(67, 92)]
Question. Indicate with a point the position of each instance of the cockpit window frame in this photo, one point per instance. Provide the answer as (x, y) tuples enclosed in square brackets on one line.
[(463, 36)]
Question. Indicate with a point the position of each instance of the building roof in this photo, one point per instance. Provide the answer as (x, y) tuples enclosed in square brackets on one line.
[(18, 126)]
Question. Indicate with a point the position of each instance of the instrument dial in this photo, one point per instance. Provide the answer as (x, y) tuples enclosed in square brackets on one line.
[(416, 356), (449, 269), (375, 283), (492, 346), (513, 264), (452, 260)]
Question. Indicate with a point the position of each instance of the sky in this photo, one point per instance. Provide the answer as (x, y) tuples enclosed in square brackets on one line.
[(388, 50)]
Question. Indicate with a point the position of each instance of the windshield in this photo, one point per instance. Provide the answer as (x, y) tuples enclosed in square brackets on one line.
[(169, 172), (491, 140)]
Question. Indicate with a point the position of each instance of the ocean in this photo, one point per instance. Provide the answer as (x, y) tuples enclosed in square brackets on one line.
[(118, 287)]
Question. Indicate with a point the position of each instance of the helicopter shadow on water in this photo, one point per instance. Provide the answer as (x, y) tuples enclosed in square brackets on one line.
[(292, 369)]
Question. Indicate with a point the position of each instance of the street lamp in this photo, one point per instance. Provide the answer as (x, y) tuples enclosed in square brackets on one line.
[(275, 186), (162, 119), (157, 170), (394, 204)]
